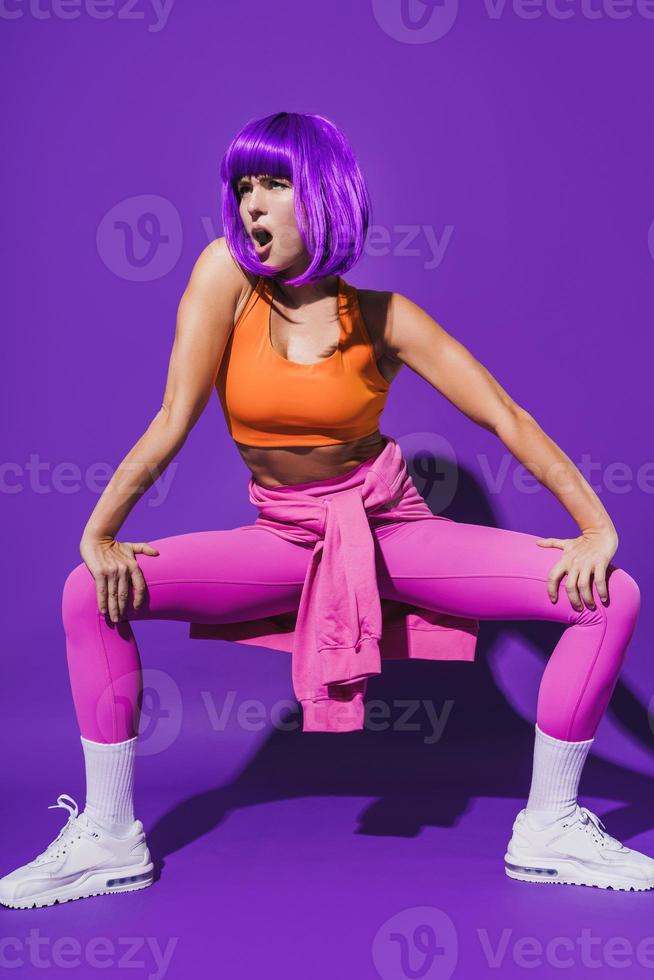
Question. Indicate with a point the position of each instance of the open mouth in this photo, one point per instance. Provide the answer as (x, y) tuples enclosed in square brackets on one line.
[(262, 237)]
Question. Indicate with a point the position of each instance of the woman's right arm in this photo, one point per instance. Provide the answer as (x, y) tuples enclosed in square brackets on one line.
[(205, 319)]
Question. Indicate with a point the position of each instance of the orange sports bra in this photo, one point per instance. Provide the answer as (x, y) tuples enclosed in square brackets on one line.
[(268, 400)]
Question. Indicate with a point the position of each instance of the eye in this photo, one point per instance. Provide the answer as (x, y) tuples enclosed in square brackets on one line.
[(244, 187)]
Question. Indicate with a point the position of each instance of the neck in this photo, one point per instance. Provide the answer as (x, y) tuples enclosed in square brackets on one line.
[(297, 296)]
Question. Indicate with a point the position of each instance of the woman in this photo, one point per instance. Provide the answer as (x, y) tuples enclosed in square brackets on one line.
[(303, 363)]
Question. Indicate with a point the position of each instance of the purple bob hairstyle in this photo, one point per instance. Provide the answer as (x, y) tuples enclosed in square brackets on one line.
[(332, 205)]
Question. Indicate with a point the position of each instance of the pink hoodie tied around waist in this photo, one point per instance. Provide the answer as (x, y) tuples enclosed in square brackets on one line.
[(341, 629)]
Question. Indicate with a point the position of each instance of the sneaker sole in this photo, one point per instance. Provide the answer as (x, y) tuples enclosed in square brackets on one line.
[(571, 875), (106, 881)]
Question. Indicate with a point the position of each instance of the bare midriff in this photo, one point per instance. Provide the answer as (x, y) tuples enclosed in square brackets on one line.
[(288, 465), (285, 465)]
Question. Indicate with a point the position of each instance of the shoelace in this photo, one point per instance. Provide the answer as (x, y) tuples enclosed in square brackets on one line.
[(589, 817), (65, 834)]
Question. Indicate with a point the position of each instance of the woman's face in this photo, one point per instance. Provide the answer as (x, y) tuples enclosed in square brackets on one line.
[(266, 205)]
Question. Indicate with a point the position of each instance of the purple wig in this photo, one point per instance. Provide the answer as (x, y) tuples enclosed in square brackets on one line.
[(332, 205)]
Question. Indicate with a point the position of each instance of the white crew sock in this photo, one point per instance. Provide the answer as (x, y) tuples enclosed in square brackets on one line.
[(110, 783), (555, 777)]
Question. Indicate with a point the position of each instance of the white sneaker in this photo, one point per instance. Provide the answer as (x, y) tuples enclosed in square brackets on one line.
[(82, 860), (575, 850)]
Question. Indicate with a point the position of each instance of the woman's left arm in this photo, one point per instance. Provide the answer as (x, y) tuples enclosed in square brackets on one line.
[(413, 337)]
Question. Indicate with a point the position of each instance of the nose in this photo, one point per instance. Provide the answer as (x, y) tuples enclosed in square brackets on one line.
[(256, 200)]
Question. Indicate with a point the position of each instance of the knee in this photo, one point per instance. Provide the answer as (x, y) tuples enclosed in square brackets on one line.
[(624, 596), (79, 593)]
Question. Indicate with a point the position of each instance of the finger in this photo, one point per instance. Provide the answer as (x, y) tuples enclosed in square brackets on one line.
[(142, 547), (101, 592), (554, 579), (138, 585), (571, 589), (600, 583), (112, 589), (123, 591), (584, 587), (550, 542)]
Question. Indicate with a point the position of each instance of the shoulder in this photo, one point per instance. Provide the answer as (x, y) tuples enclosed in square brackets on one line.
[(378, 309), (375, 306), (215, 268), (375, 300), (398, 317), (383, 304)]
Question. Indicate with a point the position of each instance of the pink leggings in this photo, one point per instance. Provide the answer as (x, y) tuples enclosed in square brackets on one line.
[(463, 569)]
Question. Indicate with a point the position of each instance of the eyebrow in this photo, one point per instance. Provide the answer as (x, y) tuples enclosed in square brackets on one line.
[(263, 177)]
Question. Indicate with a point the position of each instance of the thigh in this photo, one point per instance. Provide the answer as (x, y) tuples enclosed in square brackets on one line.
[(470, 570), (234, 574), (208, 577)]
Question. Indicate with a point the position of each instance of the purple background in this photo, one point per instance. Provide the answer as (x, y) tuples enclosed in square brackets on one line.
[(519, 140)]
